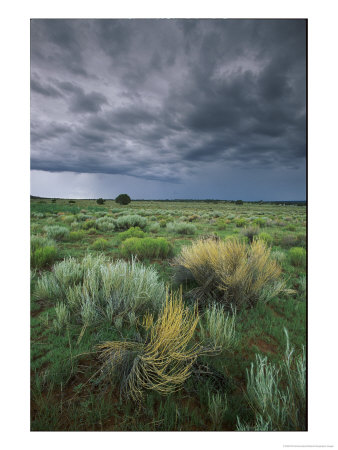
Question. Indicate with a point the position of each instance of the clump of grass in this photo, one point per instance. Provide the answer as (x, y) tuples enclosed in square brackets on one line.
[(62, 316), (57, 232), (43, 252), (229, 272), (181, 228), (277, 394), (217, 407), (43, 257), (163, 362), (131, 232), (146, 248), (297, 256), (96, 288), (100, 244), (218, 328)]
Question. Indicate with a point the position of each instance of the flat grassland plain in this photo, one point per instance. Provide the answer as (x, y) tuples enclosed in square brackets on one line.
[(139, 322)]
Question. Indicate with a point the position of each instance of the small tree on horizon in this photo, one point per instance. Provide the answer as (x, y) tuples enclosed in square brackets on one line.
[(123, 199), (100, 201)]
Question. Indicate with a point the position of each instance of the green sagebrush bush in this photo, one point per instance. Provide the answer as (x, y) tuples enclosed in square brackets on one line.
[(57, 232), (89, 223), (277, 394), (128, 221), (131, 232), (95, 289), (100, 244), (105, 224), (43, 252), (297, 256), (181, 228), (146, 248), (154, 227)]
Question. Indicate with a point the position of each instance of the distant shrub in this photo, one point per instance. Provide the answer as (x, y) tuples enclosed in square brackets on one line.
[(163, 223), (229, 272), (266, 237), (105, 224), (240, 222), (76, 235), (193, 217), (260, 222), (289, 241), (37, 215), (146, 248), (123, 199), (57, 232), (297, 256), (221, 224), (100, 201), (68, 219), (154, 227), (239, 202), (125, 222), (131, 232), (291, 227), (181, 228), (71, 201), (250, 233), (301, 239), (92, 231), (100, 244)]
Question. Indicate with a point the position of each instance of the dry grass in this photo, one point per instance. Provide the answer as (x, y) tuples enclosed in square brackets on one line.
[(164, 361), (229, 271)]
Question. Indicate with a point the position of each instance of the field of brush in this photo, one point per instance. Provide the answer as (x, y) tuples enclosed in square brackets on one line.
[(165, 316)]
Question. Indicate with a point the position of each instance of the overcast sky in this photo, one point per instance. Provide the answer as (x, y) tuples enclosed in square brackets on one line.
[(169, 109)]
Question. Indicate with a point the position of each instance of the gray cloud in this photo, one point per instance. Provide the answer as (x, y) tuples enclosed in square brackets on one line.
[(159, 99)]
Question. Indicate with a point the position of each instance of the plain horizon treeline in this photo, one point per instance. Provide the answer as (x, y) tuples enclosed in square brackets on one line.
[(266, 202)]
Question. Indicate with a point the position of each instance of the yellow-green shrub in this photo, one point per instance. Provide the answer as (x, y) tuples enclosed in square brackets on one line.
[(164, 360), (230, 271)]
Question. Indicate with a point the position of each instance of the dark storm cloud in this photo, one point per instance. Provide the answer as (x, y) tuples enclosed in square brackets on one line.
[(158, 99)]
